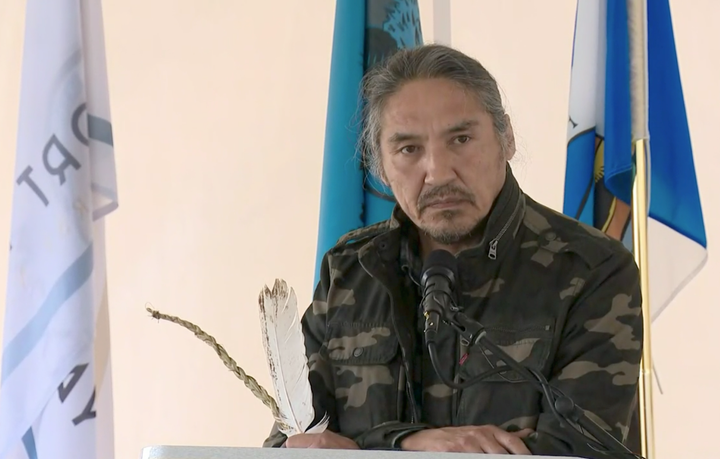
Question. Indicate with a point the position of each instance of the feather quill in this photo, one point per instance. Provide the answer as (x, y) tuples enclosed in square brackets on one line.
[(285, 350)]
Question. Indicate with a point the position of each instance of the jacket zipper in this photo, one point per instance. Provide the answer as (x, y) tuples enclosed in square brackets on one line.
[(492, 251), (400, 398), (462, 344), (462, 348)]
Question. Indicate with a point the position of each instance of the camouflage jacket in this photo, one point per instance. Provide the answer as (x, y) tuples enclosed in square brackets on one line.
[(558, 296)]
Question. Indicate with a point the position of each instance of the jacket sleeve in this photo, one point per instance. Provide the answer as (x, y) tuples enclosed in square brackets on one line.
[(598, 359), (320, 375), (388, 436)]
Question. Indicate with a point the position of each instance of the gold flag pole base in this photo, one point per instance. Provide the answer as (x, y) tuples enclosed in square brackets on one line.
[(640, 250)]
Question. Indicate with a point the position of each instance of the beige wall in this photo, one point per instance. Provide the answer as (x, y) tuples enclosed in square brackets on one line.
[(219, 109)]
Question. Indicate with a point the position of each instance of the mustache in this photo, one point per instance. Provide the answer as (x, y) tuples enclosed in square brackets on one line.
[(443, 193)]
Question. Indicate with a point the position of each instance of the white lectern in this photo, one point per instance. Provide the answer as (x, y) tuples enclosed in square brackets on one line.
[(204, 452)]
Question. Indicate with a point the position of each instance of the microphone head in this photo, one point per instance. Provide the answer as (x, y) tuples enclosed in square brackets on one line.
[(440, 262)]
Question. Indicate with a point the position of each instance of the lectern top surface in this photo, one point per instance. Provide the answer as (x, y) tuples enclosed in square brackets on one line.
[(211, 452)]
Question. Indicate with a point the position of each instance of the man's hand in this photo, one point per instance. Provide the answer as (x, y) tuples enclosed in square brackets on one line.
[(325, 440), (468, 439)]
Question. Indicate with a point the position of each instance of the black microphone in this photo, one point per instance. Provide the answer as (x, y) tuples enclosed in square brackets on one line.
[(439, 276)]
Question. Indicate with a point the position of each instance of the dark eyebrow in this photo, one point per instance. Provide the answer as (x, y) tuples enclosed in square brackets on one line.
[(400, 137), (462, 126)]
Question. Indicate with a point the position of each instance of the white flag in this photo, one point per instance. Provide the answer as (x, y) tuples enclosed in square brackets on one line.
[(55, 391)]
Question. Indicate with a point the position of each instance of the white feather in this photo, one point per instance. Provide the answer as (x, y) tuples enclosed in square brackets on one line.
[(285, 349)]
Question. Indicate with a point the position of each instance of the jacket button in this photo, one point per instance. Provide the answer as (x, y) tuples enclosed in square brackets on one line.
[(550, 236), (358, 352)]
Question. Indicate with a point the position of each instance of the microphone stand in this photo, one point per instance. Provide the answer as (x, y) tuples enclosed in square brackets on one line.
[(475, 333)]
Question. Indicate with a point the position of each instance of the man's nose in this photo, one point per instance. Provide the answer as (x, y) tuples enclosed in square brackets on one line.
[(439, 168)]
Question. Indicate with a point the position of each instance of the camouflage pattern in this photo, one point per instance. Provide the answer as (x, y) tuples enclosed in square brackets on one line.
[(560, 297)]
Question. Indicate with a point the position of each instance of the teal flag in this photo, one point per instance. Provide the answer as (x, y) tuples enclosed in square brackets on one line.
[(366, 32)]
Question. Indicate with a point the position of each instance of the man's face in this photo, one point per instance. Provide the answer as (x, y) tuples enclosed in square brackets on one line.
[(442, 158)]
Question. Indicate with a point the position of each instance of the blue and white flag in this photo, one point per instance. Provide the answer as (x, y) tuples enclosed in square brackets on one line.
[(55, 384), (366, 32), (600, 163)]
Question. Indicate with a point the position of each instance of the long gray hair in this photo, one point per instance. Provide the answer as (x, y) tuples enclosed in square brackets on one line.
[(423, 62)]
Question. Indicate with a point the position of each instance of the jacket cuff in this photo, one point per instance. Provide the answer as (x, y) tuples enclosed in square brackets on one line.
[(388, 435)]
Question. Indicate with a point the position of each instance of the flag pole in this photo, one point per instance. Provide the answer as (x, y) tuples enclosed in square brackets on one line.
[(637, 33), (442, 31)]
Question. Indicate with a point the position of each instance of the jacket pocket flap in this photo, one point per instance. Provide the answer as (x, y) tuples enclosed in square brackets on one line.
[(352, 343)]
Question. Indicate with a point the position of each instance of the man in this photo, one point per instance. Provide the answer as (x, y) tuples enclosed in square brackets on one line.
[(560, 297)]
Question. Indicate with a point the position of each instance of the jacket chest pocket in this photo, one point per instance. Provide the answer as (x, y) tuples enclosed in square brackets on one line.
[(498, 399), (365, 366), (529, 346)]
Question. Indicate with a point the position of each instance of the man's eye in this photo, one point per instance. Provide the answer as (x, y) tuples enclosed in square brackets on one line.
[(408, 149), (462, 139)]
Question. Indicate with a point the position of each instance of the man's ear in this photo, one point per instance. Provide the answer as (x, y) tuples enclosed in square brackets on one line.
[(509, 140)]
